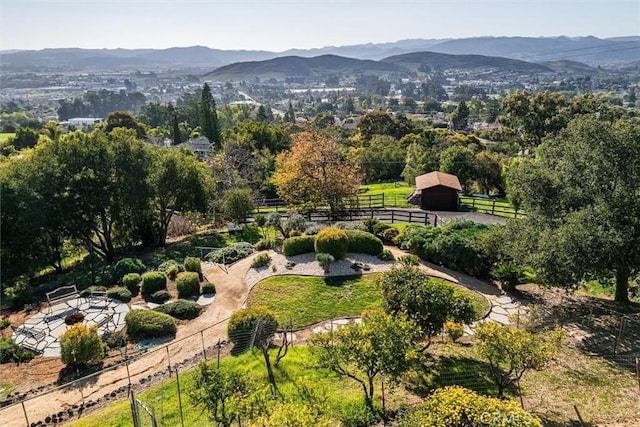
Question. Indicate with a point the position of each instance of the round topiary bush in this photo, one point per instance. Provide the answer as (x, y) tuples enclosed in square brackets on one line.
[(128, 265), (332, 241), (188, 284), (253, 324), (143, 324), (172, 272), (208, 288), (298, 245), (120, 293), (153, 281), (192, 263), (181, 309), (160, 297), (132, 282), (362, 242)]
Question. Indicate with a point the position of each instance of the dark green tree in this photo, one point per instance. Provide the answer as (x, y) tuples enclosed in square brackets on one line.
[(460, 116), (209, 116), (582, 199), (459, 161)]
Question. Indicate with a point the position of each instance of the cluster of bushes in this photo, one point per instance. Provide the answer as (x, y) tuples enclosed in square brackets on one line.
[(143, 324), (332, 241), (180, 309), (131, 281), (127, 265), (231, 254), (363, 242), (459, 245), (171, 268)]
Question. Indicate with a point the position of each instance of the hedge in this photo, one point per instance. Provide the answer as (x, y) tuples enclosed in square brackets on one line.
[(180, 309), (143, 324), (120, 293), (298, 245), (188, 284), (153, 281), (364, 243), (332, 241)]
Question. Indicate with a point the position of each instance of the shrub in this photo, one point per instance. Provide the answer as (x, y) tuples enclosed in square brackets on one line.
[(20, 293), (332, 241), (298, 245), (409, 260), (325, 260), (4, 324), (456, 406), (453, 329), (74, 318), (256, 324), (153, 281), (290, 265), (10, 352), (295, 233), (143, 324), (208, 288), (85, 293), (295, 222), (363, 243), (165, 266), (132, 282), (508, 274), (231, 254), (188, 284), (128, 265), (172, 272), (81, 345), (265, 244), (180, 309), (313, 229), (193, 264), (116, 339), (262, 260), (160, 297), (386, 255), (374, 226), (120, 293), (390, 234)]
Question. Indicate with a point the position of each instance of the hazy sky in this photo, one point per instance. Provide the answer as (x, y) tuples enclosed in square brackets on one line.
[(284, 24)]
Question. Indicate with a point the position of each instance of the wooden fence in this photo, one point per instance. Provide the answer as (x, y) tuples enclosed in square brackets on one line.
[(491, 207), (386, 215)]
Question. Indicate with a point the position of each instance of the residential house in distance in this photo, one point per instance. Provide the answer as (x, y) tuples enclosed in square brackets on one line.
[(201, 146)]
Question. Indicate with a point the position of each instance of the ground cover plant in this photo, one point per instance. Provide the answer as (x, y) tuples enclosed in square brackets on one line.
[(307, 300)]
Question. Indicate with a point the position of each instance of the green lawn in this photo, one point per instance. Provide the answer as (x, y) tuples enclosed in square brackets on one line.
[(395, 194), (293, 374), (4, 136), (306, 300)]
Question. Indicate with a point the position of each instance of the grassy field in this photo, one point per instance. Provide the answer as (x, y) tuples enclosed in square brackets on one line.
[(307, 300), (395, 193), (602, 392), (294, 373), (4, 136)]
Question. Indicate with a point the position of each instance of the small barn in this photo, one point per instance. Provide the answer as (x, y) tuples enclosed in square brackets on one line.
[(437, 191)]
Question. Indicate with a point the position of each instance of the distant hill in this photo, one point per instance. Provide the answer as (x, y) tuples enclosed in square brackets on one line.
[(296, 66), (570, 67), (589, 50), (441, 61)]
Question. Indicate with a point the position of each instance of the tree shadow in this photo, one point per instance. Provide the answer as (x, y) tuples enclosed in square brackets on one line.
[(79, 378), (451, 370), (341, 281)]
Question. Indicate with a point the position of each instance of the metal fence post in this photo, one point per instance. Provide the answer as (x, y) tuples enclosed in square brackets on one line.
[(179, 398), (27, 418)]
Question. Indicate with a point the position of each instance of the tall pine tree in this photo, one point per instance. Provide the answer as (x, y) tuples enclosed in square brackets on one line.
[(209, 116)]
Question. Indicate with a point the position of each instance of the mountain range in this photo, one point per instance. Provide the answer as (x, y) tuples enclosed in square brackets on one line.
[(588, 50)]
